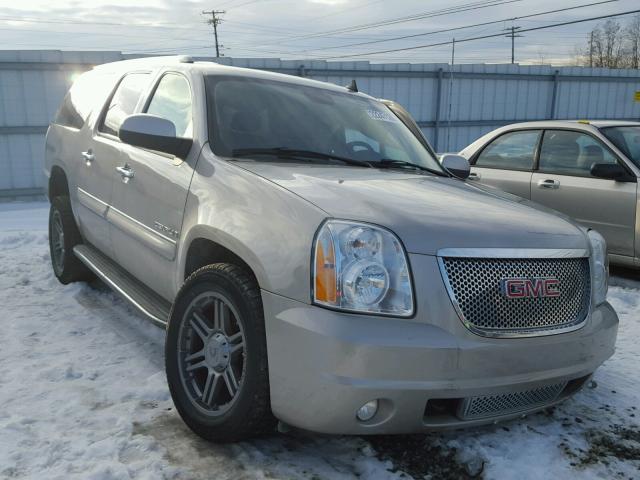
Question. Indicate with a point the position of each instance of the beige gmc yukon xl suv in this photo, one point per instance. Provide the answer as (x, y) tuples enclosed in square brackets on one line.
[(310, 258)]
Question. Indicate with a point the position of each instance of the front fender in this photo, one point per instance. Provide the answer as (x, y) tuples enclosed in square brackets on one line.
[(268, 227)]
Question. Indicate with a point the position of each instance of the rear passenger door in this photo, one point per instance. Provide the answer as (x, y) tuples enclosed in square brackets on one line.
[(148, 207), (102, 158), (564, 182), (507, 162)]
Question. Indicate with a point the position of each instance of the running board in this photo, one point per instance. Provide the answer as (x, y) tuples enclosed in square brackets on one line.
[(152, 305)]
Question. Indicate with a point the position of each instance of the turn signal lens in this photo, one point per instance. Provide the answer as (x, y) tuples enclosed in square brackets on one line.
[(325, 273)]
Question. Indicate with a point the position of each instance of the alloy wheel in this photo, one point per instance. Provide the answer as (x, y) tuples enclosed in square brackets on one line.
[(211, 353)]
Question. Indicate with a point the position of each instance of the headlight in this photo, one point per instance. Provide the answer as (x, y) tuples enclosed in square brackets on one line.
[(361, 268), (599, 266)]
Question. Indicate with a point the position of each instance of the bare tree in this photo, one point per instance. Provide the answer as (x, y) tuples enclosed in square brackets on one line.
[(612, 45), (607, 44), (632, 34)]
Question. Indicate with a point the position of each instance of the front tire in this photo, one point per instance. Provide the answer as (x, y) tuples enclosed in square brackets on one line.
[(63, 236), (216, 355)]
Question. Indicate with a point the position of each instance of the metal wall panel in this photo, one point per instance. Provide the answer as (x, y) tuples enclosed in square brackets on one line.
[(453, 105)]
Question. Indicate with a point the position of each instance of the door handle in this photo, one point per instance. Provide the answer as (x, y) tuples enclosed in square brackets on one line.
[(549, 183), (126, 172), (474, 176), (88, 157)]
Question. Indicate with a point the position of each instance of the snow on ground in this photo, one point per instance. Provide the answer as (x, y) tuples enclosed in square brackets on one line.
[(83, 395)]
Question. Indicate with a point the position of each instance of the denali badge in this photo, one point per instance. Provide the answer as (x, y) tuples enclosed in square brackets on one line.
[(530, 287), (172, 232)]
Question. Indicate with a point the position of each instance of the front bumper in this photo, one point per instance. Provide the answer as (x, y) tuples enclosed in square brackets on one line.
[(324, 365)]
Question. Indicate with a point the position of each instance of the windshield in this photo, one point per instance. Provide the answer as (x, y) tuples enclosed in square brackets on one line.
[(249, 113), (626, 139)]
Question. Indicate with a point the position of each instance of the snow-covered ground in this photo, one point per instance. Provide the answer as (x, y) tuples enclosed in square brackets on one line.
[(83, 395)]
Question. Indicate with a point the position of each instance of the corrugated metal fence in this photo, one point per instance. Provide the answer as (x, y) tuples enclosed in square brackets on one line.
[(453, 106)]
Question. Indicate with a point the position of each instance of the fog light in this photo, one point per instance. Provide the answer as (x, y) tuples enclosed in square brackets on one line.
[(367, 411)]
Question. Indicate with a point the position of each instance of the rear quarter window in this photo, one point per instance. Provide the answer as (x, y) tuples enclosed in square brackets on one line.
[(88, 91)]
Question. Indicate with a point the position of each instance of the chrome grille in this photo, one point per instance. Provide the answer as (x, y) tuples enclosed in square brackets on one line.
[(474, 285), (507, 403)]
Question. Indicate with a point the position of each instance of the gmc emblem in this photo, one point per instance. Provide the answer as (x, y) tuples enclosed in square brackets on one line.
[(530, 287)]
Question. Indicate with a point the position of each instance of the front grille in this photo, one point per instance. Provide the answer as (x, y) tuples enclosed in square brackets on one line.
[(508, 403), (475, 287)]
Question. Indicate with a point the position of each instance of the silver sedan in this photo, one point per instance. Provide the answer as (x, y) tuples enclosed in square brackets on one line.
[(585, 169)]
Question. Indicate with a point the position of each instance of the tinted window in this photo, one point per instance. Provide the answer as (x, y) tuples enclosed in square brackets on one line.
[(124, 101), (511, 151), (571, 153), (88, 89), (626, 139), (172, 100), (256, 113)]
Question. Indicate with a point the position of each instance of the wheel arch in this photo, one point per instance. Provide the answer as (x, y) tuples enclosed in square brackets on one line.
[(204, 247), (58, 185)]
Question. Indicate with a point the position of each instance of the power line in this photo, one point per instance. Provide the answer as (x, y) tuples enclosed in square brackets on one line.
[(531, 29), (453, 29), (214, 22), (243, 4), (420, 16), (82, 22), (355, 7)]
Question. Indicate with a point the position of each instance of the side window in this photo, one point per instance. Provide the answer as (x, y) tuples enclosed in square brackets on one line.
[(124, 101), (571, 153), (511, 151), (172, 100)]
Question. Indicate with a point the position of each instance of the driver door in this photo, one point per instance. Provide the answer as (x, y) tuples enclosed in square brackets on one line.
[(148, 205), (564, 182)]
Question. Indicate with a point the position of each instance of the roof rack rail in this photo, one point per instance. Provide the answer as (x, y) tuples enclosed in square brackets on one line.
[(185, 59)]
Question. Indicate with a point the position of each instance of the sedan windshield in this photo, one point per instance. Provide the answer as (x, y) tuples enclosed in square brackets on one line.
[(626, 139), (267, 120)]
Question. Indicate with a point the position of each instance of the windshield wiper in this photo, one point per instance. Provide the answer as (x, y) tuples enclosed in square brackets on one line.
[(284, 152), (390, 163)]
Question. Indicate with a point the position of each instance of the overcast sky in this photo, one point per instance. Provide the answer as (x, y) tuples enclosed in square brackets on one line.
[(300, 28)]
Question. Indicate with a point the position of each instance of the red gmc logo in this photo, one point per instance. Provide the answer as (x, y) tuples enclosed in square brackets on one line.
[(530, 287)]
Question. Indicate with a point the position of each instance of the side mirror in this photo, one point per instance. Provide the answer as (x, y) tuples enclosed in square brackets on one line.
[(457, 165), (155, 133), (611, 171)]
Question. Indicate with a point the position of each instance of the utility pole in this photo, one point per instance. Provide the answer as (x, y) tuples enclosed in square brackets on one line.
[(591, 49), (513, 36), (453, 58), (215, 21)]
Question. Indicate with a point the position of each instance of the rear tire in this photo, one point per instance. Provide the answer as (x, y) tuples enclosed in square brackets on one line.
[(216, 355), (63, 236)]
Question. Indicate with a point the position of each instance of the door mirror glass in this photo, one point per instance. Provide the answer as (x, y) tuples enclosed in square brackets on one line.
[(155, 133), (612, 171), (457, 165)]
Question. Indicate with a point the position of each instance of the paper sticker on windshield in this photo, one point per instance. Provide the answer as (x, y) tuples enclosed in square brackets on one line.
[(382, 116)]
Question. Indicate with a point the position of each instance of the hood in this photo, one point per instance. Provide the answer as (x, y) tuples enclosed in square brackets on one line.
[(427, 212)]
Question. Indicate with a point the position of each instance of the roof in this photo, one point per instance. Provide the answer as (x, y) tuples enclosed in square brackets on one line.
[(576, 123), (185, 63)]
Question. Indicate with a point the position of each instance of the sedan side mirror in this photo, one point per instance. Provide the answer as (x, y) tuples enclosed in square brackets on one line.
[(457, 165), (611, 171), (155, 133)]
